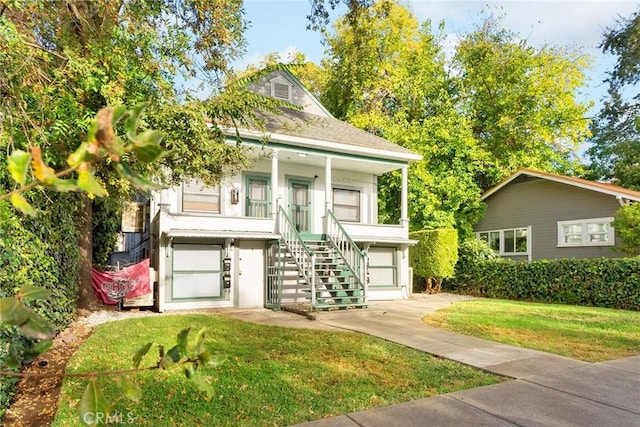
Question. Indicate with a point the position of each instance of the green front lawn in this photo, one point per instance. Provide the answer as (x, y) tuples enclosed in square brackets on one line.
[(274, 376), (585, 333)]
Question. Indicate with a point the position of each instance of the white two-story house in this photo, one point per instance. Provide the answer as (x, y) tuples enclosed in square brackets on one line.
[(299, 226)]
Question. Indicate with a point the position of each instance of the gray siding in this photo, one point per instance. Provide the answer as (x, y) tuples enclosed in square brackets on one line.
[(299, 96), (541, 204)]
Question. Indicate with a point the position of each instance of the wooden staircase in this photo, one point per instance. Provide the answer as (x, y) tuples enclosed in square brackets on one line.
[(337, 286), (306, 269)]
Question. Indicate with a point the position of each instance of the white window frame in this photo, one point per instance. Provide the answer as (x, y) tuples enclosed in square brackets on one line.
[(359, 210), (393, 267), (502, 251), (197, 183), (585, 235)]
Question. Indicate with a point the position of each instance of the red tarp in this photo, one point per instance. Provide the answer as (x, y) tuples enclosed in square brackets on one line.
[(111, 286)]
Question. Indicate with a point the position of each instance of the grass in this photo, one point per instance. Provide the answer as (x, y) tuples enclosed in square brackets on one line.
[(584, 333), (274, 376)]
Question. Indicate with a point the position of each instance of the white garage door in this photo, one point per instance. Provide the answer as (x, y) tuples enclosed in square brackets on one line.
[(197, 271)]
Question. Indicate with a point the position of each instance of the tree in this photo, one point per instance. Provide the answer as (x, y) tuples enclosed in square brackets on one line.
[(387, 74), (319, 17), (614, 151), (61, 64), (434, 257), (522, 102), (627, 225)]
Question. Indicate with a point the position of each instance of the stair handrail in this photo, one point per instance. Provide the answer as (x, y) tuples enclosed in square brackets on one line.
[(299, 250), (354, 257)]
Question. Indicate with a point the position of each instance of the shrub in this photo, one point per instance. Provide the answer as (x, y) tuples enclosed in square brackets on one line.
[(434, 256), (33, 254), (627, 225), (472, 251), (604, 282)]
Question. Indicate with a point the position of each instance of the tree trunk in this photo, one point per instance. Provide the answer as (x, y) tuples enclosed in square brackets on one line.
[(86, 296)]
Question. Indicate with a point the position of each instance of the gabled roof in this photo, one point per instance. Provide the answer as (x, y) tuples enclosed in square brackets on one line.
[(609, 189), (321, 132), (297, 82)]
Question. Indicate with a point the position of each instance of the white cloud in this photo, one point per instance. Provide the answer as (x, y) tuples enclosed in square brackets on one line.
[(580, 23)]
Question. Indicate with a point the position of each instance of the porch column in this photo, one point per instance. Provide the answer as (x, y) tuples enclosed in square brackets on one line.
[(275, 189), (328, 193), (404, 216)]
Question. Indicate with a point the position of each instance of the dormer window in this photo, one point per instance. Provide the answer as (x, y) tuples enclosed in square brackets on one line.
[(281, 88)]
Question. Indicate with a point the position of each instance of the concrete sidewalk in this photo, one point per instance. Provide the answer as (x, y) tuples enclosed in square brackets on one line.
[(547, 390)]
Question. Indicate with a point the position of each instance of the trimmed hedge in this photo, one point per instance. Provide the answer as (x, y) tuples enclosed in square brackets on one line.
[(605, 282), (434, 256)]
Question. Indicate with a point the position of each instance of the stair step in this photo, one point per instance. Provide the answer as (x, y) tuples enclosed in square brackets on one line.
[(335, 290), (329, 306)]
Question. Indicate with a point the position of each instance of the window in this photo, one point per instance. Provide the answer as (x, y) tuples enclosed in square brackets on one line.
[(586, 232), (258, 197), (514, 241), (346, 204), (133, 217), (196, 197), (382, 267)]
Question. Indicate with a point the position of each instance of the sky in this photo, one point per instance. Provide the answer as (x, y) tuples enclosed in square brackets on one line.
[(280, 26)]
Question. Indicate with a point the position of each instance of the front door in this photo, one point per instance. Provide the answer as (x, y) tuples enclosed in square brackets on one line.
[(300, 204), (250, 290)]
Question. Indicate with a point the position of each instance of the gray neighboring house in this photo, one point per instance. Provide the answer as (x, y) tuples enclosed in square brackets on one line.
[(535, 215)]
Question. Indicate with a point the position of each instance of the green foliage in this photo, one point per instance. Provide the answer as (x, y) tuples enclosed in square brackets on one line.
[(606, 282), (319, 16), (15, 313), (62, 64), (522, 102), (615, 147), (25, 258), (107, 214), (388, 74), (627, 225), (499, 105), (434, 256), (20, 344), (93, 404), (472, 251)]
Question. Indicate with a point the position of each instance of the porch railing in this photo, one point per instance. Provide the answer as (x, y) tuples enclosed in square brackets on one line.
[(353, 256), (302, 255)]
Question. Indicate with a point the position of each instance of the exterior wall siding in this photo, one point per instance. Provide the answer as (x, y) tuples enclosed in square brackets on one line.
[(298, 95), (365, 183), (541, 204)]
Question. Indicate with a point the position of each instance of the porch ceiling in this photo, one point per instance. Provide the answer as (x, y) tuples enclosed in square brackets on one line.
[(353, 164)]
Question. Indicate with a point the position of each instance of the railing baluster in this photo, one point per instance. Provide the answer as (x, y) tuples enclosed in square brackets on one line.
[(301, 253), (349, 251)]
